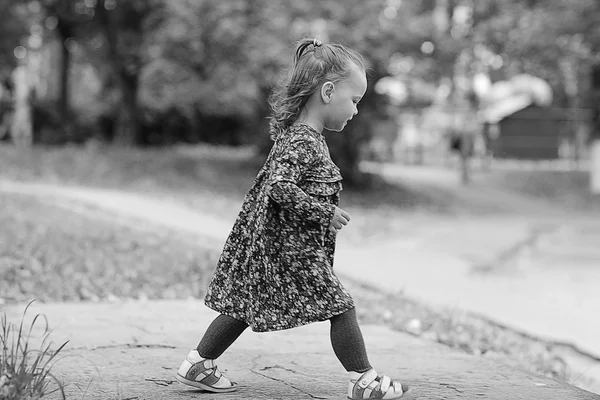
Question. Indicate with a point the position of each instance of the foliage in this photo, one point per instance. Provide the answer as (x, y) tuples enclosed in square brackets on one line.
[(555, 40), (191, 71), (13, 28), (25, 372)]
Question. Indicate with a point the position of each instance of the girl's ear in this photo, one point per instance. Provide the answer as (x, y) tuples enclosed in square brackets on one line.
[(326, 91)]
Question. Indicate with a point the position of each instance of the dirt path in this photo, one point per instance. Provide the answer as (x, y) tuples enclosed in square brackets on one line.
[(444, 183)]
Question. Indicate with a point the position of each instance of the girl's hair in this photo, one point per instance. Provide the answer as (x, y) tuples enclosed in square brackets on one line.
[(314, 62)]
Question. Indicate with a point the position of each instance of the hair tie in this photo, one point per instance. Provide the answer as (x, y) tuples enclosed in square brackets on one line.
[(316, 43)]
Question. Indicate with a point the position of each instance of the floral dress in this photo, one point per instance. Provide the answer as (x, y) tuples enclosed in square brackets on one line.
[(276, 268)]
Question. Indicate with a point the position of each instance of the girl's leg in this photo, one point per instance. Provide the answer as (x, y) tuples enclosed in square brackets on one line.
[(199, 368), (347, 342), (349, 347), (221, 334)]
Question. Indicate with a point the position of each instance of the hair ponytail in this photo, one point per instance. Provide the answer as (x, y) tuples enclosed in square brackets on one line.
[(302, 46), (313, 62)]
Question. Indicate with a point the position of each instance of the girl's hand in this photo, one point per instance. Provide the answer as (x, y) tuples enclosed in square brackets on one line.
[(340, 218)]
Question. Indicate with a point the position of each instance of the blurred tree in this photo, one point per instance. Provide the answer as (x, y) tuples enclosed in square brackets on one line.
[(224, 57), (16, 36), (68, 18), (125, 25), (199, 63), (596, 101), (13, 30), (201, 70), (111, 33), (378, 30), (555, 40)]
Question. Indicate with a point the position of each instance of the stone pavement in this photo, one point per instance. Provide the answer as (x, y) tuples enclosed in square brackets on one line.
[(132, 349)]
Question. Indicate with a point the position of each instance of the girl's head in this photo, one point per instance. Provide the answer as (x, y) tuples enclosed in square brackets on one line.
[(326, 79)]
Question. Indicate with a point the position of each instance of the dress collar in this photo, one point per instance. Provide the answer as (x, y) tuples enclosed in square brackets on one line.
[(310, 128)]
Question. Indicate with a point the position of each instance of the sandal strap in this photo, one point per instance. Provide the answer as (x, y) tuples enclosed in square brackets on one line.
[(384, 383), (213, 377), (373, 386), (205, 368), (366, 379)]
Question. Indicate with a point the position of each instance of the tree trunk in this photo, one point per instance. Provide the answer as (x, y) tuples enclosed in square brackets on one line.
[(595, 136), (128, 127), (65, 31), (465, 159), (595, 167), (64, 85), (21, 124)]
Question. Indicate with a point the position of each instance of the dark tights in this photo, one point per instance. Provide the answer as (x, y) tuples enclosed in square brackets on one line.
[(346, 339), (221, 334)]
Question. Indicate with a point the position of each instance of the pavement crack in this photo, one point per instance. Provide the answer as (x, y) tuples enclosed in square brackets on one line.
[(449, 386), (312, 396), (125, 345), (257, 372), (513, 252), (161, 382), (278, 367)]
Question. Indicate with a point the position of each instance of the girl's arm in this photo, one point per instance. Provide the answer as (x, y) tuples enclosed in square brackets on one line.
[(291, 197), (283, 189)]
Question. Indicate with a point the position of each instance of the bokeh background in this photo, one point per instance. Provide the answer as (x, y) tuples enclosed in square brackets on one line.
[(131, 130)]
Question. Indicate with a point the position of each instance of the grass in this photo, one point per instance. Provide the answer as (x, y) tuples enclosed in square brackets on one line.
[(25, 373), (209, 181), (55, 254), (196, 175)]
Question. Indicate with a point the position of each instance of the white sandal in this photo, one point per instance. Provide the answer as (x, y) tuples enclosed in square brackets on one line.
[(373, 386), (203, 374)]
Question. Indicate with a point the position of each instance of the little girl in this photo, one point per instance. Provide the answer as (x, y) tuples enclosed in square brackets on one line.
[(276, 269)]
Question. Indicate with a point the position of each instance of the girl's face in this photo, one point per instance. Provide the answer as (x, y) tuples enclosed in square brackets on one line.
[(344, 98)]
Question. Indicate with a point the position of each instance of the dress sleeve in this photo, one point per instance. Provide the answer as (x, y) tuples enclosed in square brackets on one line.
[(288, 169)]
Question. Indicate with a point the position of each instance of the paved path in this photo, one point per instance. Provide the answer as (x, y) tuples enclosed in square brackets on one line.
[(131, 350)]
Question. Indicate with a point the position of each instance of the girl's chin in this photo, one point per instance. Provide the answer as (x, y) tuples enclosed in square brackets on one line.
[(338, 128)]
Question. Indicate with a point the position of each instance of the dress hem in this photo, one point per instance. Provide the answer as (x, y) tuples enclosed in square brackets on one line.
[(324, 318)]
